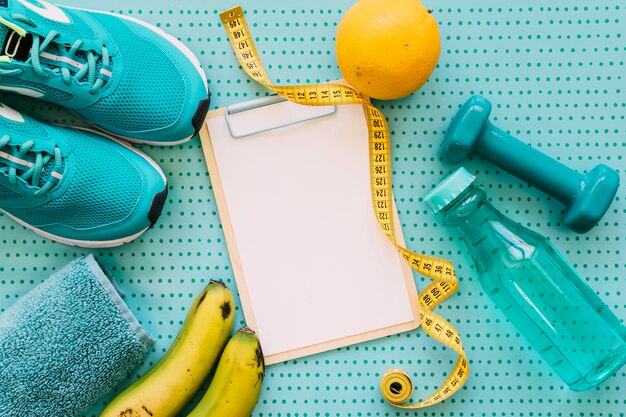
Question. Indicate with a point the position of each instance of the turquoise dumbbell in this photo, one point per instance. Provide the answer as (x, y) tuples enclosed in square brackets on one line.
[(586, 197)]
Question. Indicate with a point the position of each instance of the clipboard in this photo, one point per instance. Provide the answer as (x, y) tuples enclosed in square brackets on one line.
[(313, 270)]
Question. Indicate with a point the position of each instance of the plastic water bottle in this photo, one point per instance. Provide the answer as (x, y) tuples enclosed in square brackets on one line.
[(534, 286)]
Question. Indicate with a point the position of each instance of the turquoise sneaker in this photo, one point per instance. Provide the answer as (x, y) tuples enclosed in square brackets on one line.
[(124, 76), (75, 187)]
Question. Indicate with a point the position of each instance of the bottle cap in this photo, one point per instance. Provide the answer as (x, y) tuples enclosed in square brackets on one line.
[(449, 189)]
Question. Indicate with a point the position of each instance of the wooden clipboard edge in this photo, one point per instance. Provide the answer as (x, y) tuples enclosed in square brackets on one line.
[(339, 343), (218, 191), (227, 227)]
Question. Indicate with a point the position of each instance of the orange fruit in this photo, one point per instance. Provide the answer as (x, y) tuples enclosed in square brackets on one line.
[(387, 49)]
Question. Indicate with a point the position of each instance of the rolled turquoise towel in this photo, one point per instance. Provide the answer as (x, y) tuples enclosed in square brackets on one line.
[(66, 343)]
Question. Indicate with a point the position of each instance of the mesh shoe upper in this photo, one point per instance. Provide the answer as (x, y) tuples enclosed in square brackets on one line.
[(104, 191), (118, 73), (142, 101), (105, 188)]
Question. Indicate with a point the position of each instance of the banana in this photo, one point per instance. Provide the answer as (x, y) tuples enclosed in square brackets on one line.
[(174, 380), (236, 385)]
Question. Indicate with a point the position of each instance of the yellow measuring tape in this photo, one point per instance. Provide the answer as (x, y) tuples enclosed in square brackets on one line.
[(396, 385)]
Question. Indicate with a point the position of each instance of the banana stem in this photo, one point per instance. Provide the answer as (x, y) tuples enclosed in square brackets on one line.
[(246, 329)]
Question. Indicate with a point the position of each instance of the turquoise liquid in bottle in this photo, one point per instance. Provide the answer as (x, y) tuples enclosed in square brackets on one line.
[(534, 286)]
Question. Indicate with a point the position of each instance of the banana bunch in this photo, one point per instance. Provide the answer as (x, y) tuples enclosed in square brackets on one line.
[(236, 385), (176, 378)]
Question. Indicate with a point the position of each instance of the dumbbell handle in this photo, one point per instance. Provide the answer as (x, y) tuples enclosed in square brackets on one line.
[(586, 197), (527, 163)]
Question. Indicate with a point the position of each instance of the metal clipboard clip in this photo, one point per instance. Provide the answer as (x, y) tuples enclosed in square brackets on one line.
[(271, 112)]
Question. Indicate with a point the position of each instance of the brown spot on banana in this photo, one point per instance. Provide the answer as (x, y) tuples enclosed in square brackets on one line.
[(260, 359), (226, 310), (259, 378), (201, 300), (129, 412)]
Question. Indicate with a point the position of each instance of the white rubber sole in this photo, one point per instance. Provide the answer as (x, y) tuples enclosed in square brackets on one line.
[(99, 130), (118, 138), (91, 244), (96, 244)]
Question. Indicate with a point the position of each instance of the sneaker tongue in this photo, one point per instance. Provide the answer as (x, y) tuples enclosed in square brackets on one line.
[(13, 45)]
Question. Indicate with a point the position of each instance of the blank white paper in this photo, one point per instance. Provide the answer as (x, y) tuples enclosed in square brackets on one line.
[(317, 266)]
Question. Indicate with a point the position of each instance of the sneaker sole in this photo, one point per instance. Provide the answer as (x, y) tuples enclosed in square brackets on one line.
[(156, 208), (90, 244), (203, 105), (197, 121)]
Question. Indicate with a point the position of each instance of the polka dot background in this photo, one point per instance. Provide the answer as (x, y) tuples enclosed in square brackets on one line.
[(555, 72)]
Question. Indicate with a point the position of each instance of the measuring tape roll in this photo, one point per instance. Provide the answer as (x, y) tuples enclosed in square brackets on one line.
[(396, 385)]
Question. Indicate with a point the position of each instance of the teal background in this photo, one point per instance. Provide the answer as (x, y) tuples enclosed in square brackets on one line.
[(555, 72)]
